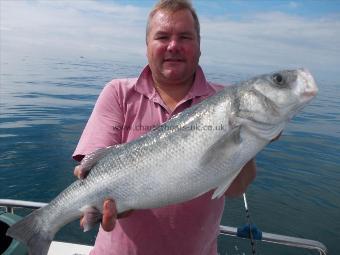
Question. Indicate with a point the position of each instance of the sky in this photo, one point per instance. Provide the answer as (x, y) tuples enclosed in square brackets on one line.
[(246, 35)]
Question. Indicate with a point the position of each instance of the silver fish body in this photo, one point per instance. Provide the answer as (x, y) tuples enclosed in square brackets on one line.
[(199, 150)]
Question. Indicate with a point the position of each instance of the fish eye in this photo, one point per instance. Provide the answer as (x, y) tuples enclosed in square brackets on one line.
[(278, 79)]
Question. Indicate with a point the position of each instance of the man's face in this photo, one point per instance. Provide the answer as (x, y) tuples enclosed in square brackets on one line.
[(173, 48)]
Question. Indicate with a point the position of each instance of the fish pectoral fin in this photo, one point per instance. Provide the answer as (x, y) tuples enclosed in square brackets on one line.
[(91, 159), (222, 188), (91, 216), (221, 151), (222, 148)]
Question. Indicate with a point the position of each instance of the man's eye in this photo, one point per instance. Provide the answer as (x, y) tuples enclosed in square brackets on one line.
[(161, 37), (186, 37)]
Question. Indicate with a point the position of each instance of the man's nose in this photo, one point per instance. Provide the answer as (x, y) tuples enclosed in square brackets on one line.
[(173, 45)]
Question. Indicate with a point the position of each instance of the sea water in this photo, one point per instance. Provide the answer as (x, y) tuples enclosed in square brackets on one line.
[(45, 103)]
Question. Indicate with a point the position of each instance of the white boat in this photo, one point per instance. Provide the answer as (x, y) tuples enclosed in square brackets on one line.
[(58, 248), (13, 247)]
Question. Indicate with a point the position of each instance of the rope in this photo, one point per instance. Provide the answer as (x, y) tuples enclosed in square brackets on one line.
[(252, 242)]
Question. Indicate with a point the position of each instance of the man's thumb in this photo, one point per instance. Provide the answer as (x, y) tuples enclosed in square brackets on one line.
[(109, 215)]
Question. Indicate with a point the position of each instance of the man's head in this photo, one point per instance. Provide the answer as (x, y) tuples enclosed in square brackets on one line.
[(173, 41), (173, 6)]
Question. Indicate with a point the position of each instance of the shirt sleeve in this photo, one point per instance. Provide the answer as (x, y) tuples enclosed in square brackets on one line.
[(104, 125)]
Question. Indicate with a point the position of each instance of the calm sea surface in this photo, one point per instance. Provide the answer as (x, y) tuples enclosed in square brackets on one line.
[(45, 104)]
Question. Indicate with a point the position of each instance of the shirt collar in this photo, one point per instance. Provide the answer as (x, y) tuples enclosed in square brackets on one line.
[(145, 85)]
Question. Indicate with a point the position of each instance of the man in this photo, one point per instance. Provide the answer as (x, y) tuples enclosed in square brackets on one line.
[(172, 82)]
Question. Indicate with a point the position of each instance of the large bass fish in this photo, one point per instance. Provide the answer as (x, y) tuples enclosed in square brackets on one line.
[(202, 148)]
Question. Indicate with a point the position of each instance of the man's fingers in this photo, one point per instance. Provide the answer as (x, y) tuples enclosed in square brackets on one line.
[(277, 137), (81, 222), (79, 172), (109, 215)]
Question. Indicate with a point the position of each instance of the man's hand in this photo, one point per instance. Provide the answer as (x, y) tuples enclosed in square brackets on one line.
[(277, 137), (109, 207), (78, 172), (245, 177), (110, 215)]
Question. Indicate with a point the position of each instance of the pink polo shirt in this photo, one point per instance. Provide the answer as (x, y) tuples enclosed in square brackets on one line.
[(125, 110)]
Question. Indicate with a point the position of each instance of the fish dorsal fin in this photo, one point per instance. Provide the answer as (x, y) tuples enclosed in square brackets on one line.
[(90, 160), (223, 147)]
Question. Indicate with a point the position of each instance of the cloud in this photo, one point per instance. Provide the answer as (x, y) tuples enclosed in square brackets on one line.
[(79, 27), (117, 31), (293, 4), (273, 39)]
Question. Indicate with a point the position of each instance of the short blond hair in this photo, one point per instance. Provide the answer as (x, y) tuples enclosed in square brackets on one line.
[(173, 6)]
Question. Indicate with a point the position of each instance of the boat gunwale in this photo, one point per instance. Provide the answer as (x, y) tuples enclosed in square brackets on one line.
[(11, 204)]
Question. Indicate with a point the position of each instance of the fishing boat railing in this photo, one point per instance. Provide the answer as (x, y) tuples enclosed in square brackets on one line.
[(9, 205), (281, 239)]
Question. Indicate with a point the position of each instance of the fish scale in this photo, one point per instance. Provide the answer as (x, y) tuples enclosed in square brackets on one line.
[(179, 160)]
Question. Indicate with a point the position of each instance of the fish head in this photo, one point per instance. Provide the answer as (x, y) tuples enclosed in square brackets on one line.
[(288, 90), (270, 101)]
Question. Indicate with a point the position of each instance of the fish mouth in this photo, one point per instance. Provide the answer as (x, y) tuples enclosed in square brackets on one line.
[(309, 93), (311, 89)]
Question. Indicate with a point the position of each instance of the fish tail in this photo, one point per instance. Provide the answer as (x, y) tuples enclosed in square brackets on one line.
[(31, 232)]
